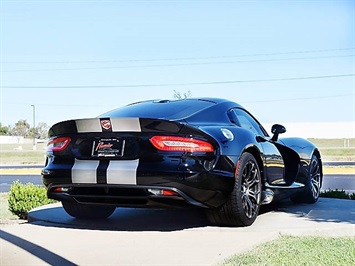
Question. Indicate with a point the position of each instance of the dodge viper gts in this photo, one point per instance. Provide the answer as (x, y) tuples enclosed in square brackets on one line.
[(199, 152)]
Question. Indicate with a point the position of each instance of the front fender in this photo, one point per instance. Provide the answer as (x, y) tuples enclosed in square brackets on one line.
[(305, 150)]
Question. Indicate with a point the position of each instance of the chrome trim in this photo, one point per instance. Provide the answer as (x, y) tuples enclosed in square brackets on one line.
[(293, 185)]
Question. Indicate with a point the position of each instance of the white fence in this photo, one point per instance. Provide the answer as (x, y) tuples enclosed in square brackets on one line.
[(11, 140)]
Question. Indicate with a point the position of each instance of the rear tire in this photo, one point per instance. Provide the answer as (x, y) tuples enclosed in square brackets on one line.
[(86, 211), (242, 207), (313, 183)]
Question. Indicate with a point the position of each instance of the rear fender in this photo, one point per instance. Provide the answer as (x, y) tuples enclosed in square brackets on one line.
[(243, 141)]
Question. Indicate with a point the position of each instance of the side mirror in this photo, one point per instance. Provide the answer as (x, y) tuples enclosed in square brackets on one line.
[(276, 130)]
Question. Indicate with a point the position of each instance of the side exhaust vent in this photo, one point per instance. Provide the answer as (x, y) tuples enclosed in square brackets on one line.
[(267, 196)]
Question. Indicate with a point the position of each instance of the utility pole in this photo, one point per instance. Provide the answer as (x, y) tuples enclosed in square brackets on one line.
[(34, 126)]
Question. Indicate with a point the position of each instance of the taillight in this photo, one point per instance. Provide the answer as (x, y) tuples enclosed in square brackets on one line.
[(58, 144), (171, 143)]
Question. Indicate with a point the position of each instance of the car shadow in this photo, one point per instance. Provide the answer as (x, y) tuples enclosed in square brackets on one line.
[(124, 219), (137, 219)]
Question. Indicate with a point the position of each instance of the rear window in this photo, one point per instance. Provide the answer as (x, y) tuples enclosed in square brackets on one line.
[(170, 110)]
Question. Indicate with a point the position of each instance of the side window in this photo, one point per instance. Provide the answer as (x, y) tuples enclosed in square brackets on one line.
[(248, 122)]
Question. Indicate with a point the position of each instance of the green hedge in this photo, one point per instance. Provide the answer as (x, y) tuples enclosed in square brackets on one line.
[(337, 194), (25, 197)]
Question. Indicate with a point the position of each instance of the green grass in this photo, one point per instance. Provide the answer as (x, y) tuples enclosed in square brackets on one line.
[(333, 143), (289, 250), (5, 214), (337, 194), (336, 149), (10, 154), (22, 157), (343, 152), (27, 146)]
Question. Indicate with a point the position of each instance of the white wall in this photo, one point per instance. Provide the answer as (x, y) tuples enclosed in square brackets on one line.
[(11, 140), (318, 130)]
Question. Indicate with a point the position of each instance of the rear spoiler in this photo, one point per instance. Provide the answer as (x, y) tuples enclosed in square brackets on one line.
[(122, 124)]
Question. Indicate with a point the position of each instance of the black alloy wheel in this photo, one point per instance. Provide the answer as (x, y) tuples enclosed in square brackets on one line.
[(242, 207), (250, 189), (315, 178), (313, 183)]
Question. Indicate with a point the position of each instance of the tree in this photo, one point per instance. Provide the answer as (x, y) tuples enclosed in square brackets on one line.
[(179, 96), (42, 130), (21, 128), (39, 132), (32, 133), (4, 130)]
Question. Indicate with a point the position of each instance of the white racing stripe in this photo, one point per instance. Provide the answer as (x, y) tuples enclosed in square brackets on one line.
[(84, 171), (125, 124), (88, 125), (118, 125), (122, 172)]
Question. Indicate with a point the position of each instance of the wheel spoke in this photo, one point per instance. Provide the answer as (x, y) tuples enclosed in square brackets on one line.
[(315, 178), (315, 187), (251, 179), (314, 191), (248, 206), (254, 182), (252, 174), (248, 173), (251, 189)]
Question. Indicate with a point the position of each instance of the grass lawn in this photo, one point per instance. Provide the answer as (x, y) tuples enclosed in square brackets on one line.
[(336, 149), (17, 154), (290, 250)]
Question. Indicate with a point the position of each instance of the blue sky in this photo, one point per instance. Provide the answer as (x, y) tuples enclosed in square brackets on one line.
[(285, 61)]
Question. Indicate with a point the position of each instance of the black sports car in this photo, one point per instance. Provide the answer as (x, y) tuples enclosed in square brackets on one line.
[(208, 153)]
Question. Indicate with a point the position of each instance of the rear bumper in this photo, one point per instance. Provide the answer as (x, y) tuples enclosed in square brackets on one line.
[(126, 196), (201, 190), (125, 184)]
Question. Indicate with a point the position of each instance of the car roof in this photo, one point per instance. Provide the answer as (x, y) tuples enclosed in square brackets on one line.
[(182, 109)]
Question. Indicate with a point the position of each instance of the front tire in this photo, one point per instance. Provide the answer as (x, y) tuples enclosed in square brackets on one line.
[(86, 211), (313, 183), (242, 207)]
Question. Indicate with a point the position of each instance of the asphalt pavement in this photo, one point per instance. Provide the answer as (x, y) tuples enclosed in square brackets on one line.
[(162, 237)]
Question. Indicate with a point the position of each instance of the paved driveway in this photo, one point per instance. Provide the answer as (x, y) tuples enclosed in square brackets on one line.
[(162, 237)]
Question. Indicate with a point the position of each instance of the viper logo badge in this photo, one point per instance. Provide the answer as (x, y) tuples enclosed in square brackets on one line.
[(106, 124)]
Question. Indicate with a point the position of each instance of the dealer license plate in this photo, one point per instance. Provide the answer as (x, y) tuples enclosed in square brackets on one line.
[(108, 148)]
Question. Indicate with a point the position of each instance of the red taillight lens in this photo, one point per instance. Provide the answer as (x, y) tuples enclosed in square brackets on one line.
[(169, 193), (58, 144), (170, 143)]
